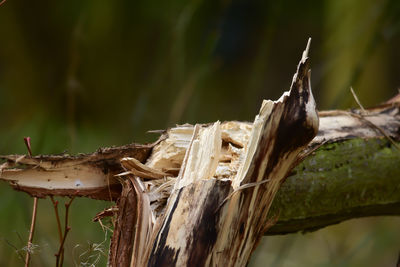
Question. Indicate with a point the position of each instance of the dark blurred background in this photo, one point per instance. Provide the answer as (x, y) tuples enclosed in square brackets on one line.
[(78, 75)]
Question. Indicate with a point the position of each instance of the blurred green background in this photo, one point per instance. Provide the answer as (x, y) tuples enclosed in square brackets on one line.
[(78, 75)]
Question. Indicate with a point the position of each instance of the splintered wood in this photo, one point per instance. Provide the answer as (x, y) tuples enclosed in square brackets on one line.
[(160, 172), (214, 211)]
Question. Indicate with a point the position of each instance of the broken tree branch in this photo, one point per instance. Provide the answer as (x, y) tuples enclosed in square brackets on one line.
[(350, 157), (203, 194)]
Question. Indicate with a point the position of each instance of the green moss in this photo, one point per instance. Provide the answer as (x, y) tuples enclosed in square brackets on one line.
[(340, 178)]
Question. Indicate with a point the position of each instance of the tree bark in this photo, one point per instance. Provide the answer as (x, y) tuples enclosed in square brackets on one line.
[(342, 180), (201, 195)]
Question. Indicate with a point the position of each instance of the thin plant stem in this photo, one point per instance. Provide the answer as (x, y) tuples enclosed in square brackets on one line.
[(59, 259), (357, 100), (31, 231), (27, 141), (60, 253), (55, 205)]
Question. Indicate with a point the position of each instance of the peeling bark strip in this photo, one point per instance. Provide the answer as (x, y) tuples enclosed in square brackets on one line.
[(85, 175)]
